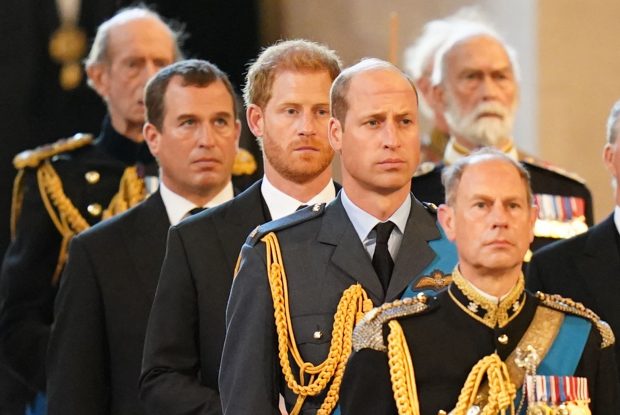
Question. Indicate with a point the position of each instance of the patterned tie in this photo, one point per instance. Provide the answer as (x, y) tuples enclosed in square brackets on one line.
[(382, 260)]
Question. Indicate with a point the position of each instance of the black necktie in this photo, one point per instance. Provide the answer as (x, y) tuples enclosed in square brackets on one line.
[(382, 260), (195, 210)]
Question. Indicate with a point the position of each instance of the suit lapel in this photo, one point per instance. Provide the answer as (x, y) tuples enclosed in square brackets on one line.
[(599, 265), (414, 253), (244, 214), (146, 241), (349, 254)]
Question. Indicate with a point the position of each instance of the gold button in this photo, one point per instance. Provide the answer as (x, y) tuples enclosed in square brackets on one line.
[(92, 176), (316, 207), (94, 209), (503, 339), (317, 335)]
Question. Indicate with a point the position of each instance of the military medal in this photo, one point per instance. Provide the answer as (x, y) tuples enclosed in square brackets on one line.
[(67, 45)]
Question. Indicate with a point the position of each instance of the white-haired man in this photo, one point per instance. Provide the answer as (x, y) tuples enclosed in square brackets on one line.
[(475, 79)]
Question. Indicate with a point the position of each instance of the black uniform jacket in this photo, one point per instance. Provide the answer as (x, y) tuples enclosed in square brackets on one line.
[(585, 268), (26, 289), (445, 342), (101, 312), (428, 188), (187, 324), (322, 256)]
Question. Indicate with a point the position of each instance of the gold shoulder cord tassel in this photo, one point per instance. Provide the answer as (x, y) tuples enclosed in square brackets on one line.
[(66, 217), (501, 390), (312, 379), (131, 191)]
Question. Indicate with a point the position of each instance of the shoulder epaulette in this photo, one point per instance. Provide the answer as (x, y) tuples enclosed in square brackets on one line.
[(548, 166), (569, 306), (245, 163), (424, 168), (368, 333), (32, 158), (295, 218)]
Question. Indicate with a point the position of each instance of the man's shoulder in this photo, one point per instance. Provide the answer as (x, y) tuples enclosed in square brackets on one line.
[(66, 148), (297, 221), (570, 307), (559, 249), (548, 171), (369, 333)]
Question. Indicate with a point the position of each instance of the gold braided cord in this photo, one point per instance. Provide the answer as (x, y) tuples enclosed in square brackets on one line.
[(313, 379), (131, 191), (401, 372), (67, 218), (16, 201), (502, 392), (244, 163)]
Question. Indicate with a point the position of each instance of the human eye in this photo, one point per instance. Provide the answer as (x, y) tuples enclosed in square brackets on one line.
[(291, 111), (322, 112), (188, 122), (221, 122), (407, 121), (372, 123)]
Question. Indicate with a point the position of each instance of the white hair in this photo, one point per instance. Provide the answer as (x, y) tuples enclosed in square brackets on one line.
[(465, 33)]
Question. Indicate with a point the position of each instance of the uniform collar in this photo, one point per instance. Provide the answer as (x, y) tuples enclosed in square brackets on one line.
[(454, 151), (280, 204), (177, 206), (490, 311), (122, 148)]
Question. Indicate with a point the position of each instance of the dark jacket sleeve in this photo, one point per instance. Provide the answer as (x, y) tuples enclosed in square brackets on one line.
[(26, 289), (366, 386), (250, 380), (78, 379), (170, 381), (598, 365)]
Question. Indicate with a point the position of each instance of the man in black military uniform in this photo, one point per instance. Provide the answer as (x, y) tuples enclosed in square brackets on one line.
[(432, 354), (587, 267), (63, 188), (476, 88), (305, 278)]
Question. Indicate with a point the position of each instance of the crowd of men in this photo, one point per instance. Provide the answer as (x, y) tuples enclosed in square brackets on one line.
[(144, 276)]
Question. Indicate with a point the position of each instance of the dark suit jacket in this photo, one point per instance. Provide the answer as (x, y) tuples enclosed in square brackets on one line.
[(186, 328), (323, 256), (101, 312), (585, 268)]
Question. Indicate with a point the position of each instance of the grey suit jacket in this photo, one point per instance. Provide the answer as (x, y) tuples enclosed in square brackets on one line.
[(323, 256), (101, 311)]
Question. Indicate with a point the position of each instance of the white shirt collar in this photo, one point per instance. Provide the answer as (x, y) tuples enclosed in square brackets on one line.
[(363, 222), (617, 218), (177, 206), (280, 204)]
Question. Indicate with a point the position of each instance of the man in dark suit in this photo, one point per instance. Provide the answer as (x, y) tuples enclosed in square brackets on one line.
[(475, 85), (586, 267), (508, 339), (64, 188), (313, 272), (107, 288), (287, 99)]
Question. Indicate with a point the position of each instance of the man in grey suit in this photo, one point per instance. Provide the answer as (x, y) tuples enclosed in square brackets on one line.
[(303, 280), (587, 267), (287, 99), (108, 286)]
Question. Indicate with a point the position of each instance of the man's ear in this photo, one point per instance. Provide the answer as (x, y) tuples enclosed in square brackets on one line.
[(445, 214), (533, 217), (609, 155), (438, 98), (334, 133), (152, 137), (256, 120), (99, 78)]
